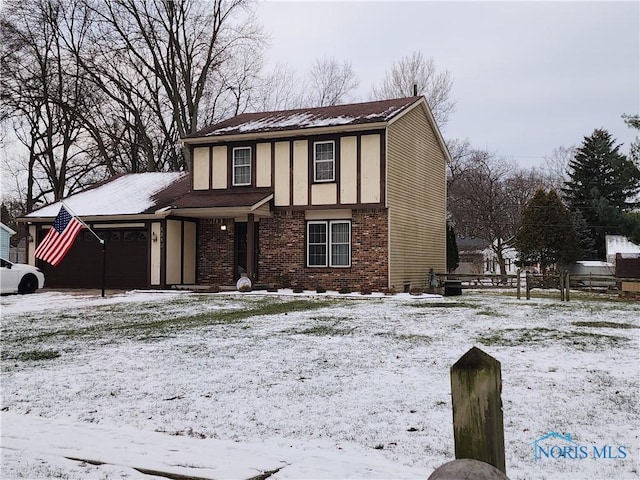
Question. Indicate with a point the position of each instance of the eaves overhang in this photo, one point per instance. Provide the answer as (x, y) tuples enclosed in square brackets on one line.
[(258, 209), (274, 134)]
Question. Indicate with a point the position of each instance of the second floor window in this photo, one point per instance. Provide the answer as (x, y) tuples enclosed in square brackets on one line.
[(324, 161), (242, 166)]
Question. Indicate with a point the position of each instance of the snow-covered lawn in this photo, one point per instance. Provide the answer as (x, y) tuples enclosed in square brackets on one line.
[(348, 381)]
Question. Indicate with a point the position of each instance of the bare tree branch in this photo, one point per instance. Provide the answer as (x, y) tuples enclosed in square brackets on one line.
[(417, 70)]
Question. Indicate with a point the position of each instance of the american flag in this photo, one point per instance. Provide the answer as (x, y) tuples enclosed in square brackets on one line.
[(59, 239)]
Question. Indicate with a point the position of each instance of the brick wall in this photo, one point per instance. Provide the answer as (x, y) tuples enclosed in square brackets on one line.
[(282, 256), (215, 253), (282, 253)]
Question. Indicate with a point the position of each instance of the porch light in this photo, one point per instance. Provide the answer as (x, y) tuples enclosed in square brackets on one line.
[(223, 227), (154, 237)]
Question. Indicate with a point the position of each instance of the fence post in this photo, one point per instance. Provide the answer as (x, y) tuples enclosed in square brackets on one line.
[(567, 283), (528, 285), (518, 284), (476, 384)]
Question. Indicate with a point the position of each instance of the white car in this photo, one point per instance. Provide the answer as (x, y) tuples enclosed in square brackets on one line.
[(19, 278)]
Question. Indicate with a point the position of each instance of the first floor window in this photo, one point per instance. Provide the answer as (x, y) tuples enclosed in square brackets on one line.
[(242, 166), (329, 243)]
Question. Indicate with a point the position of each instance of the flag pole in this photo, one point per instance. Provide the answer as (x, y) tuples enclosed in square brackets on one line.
[(101, 240)]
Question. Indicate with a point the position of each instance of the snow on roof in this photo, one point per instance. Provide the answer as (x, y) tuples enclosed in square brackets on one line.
[(124, 195), (620, 244), (282, 122), (594, 263), (350, 114)]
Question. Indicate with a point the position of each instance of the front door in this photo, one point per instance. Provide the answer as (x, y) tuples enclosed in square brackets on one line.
[(242, 247)]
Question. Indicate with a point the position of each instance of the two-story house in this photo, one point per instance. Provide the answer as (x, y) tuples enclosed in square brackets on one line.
[(342, 196)]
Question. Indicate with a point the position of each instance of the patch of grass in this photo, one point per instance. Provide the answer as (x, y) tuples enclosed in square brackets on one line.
[(604, 325), (442, 305), (35, 355), (152, 326), (411, 338), (329, 326), (325, 330), (491, 313), (513, 337)]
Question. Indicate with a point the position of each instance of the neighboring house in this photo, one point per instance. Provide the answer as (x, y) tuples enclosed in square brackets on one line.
[(619, 244), (491, 264), (625, 256), (471, 252), (343, 196), (478, 258), (5, 235), (18, 253)]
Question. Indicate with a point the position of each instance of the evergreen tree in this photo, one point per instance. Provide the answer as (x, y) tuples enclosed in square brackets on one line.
[(453, 258), (547, 235), (601, 180), (633, 121)]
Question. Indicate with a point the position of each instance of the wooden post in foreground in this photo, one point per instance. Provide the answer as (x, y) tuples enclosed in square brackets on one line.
[(476, 384)]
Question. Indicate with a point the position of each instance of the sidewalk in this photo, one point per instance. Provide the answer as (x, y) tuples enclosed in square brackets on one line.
[(38, 447)]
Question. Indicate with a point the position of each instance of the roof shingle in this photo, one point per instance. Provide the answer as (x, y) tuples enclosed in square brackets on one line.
[(337, 115)]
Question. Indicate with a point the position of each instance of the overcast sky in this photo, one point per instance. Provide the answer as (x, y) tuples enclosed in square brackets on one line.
[(528, 76)]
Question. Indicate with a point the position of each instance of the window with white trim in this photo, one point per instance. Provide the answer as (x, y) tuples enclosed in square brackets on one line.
[(241, 166), (329, 243), (324, 161)]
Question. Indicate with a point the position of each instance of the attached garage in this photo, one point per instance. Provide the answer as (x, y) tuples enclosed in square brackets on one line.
[(127, 260), (147, 245)]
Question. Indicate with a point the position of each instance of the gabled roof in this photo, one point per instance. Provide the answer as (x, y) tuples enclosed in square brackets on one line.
[(367, 113), (129, 194), (471, 244), (620, 244), (148, 194), (7, 229)]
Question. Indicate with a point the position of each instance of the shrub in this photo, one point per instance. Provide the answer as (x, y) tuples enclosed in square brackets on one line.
[(416, 291), (321, 289), (365, 290), (389, 291), (214, 289), (298, 289), (344, 290)]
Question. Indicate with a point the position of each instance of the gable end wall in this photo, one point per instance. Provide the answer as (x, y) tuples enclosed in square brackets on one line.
[(416, 197)]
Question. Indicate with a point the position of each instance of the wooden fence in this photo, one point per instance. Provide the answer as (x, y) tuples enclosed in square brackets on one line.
[(562, 281)]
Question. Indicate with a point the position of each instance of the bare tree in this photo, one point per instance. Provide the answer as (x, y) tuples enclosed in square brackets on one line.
[(161, 61), (279, 90), (459, 153), (556, 166), (96, 88), (42, 88), (417, 70), (331, 83), (486, 200)]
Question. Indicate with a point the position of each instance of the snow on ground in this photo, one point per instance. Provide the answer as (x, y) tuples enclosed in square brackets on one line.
[(325, 386)]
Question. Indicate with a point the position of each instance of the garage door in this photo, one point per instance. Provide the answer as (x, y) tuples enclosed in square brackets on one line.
[(127, 261)]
